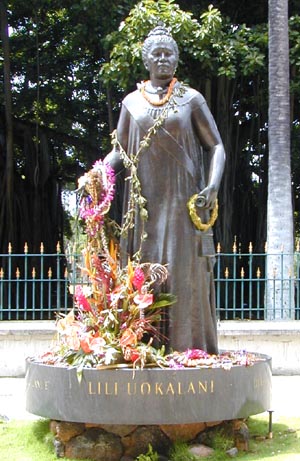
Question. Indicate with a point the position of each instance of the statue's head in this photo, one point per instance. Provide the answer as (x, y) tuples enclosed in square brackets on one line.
[(159, 34)]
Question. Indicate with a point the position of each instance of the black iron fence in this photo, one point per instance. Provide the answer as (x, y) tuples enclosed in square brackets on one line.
[(37, 286)]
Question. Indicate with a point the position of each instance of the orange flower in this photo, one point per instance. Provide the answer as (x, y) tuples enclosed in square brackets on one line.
[(128, 338), (130, 273), (113, 262), (85, 344)]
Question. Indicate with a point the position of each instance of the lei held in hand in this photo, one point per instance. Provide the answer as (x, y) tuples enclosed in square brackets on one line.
[(196, 219)]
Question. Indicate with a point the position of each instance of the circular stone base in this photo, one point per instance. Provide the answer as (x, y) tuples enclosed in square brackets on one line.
[(150, 396)]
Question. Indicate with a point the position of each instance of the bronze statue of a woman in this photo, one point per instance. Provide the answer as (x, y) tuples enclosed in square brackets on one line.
[(170, 169)]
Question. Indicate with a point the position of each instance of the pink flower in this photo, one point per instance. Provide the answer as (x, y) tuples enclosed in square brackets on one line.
[(194, 354), (90, 343), (97, 344), (173, 364), (143, 301), (81, 300), (138, 279), (93, 206)]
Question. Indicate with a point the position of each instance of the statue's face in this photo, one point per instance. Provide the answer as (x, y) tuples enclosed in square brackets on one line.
[(162, 60)]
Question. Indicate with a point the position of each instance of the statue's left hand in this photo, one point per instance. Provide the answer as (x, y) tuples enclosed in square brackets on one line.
[(210, 194)]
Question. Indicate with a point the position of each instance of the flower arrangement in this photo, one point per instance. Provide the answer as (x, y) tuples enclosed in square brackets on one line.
[(115, 313), (116, 309)]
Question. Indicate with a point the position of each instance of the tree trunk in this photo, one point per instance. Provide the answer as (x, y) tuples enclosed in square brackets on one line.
[(9, 165), (280, 238)]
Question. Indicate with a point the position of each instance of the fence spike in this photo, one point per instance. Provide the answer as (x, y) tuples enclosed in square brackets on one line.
[(17, 273), (42, 248), (258, 273), (10, 248), (49, 273), (26, 248), (226, 273), (219, 248), (58, 247), (234, 247), (242, 273), (1, 273), (66, 273), (33, 272), (250, 247)]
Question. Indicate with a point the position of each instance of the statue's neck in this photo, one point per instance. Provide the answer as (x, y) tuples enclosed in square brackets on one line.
[(157, 85)]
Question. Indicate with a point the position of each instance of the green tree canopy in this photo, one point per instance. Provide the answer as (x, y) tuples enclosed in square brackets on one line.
[(71, 64)]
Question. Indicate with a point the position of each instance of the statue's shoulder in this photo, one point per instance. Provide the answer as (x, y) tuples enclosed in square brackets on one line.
[(131, 99), (191, 95)]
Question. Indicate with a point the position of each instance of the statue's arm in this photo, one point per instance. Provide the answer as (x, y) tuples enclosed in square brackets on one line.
[(210, 139), (114, 157)]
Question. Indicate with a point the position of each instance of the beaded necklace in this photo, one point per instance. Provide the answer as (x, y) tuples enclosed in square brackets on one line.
[(162, 101)]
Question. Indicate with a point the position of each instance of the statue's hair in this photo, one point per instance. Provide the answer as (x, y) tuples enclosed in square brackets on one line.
[(159, 34)]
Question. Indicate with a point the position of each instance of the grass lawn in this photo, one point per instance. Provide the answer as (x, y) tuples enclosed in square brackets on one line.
[(32, 441)]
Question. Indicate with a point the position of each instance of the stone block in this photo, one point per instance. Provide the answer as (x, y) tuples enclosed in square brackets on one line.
[(95, 444), (66, 431), (119, 429), (183, 432), (138, 442), (241, 435)]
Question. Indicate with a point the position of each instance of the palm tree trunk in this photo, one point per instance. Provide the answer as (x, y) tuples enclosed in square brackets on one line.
[(280, 238)]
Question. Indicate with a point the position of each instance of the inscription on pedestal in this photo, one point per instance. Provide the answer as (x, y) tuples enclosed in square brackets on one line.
[(149, 389), (149, 396)]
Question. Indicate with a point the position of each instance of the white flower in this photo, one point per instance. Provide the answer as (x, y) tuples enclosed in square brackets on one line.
[(82, 181)]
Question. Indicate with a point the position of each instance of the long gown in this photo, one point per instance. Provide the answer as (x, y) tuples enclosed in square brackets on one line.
[(171, 170)]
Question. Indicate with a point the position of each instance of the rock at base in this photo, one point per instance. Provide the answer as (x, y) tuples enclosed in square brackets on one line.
[(138, 442), (201, 450), (95, 444)]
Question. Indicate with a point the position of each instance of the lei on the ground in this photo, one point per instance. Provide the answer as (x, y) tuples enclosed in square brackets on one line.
[(116, 311)]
